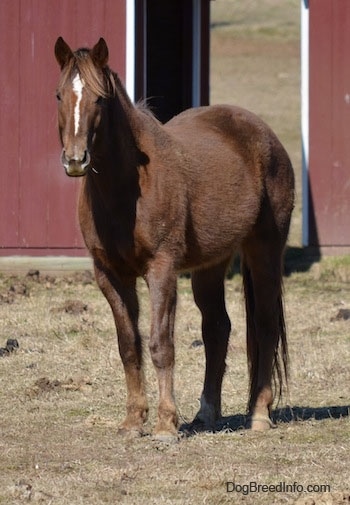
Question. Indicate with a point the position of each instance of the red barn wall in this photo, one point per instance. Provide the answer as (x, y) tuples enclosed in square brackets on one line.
[(329, 132), (37, 200)]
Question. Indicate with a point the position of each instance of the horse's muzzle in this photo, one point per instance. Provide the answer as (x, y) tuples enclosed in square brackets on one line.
[(75, 167)]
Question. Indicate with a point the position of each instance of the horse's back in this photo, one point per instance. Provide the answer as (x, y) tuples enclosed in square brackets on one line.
[(232, 144), (226, 126), (235, 146)]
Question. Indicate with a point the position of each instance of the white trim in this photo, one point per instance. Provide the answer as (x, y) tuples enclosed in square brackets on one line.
[(144, 44), (305, 118), (196, 53), (130, 49)]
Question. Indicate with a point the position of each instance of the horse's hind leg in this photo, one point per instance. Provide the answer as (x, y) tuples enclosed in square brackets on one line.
[(262, 277), (209, 295)]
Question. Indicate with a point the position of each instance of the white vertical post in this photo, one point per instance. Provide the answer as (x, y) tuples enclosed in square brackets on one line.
[(305, 118), (130, 49)]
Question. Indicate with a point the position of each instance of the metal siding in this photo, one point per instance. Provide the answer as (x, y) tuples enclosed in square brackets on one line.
[(329, 170), (9, 118), (34, 100), (341, 125), (37, 200)]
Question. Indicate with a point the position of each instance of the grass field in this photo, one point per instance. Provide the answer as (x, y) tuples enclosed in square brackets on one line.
[(62, 393)]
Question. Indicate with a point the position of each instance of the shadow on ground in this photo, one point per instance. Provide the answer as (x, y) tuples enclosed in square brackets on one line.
[(285, 415), (296, 259), (300, 259)]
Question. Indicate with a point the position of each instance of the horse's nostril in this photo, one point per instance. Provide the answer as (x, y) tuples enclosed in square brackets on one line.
[(86, 160)]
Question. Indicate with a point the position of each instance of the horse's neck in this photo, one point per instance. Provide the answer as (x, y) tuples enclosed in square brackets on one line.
[(116, 146), (116, 155)]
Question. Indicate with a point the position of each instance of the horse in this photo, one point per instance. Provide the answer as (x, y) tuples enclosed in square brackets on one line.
[(157, 200)]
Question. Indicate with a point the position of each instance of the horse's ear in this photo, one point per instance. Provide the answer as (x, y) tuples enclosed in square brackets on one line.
[(99, 53), (63, 52)]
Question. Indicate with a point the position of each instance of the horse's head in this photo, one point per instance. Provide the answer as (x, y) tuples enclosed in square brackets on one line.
[(79, 94)]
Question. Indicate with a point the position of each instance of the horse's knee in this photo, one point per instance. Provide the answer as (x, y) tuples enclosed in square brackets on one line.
[(163, 356), (130, 349)]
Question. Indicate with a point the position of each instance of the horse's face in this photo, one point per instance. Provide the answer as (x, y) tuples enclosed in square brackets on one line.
[(79, 109), (78, 118)]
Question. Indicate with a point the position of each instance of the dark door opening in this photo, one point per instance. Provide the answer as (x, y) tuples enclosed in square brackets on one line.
[(169, 57), (172, 44)]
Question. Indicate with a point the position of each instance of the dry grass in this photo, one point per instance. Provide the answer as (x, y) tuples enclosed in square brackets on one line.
[(62, 394)]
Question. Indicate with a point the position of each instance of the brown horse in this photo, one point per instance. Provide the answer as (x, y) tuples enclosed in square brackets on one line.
[(157, 200)]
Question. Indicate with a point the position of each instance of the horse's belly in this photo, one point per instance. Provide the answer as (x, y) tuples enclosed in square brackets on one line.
[(212, 236)]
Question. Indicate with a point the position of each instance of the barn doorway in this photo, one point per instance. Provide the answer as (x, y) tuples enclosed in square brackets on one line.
[(172, 55)]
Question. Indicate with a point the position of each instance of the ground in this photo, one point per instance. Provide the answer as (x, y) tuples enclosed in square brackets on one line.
[(62, 391), (62, 397)]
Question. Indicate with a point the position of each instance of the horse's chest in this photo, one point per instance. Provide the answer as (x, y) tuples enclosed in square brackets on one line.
[(113, 243)]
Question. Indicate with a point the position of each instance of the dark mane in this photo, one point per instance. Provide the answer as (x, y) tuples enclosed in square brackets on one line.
[(143, 106)]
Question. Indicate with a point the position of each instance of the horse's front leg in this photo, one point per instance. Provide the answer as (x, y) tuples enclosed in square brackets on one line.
[(122, 297), (161, 280)]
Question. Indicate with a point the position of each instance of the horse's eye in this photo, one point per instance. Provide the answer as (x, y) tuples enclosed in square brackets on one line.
[(58, 96), (98, 101)]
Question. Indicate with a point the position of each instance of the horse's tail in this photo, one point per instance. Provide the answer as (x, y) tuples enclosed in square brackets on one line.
[(280, 348)]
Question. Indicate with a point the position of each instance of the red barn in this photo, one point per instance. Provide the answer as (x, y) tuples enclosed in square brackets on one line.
[(326, 124), (159, 49)]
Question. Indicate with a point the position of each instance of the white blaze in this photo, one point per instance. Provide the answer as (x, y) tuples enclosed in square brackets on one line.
[(78, 85)]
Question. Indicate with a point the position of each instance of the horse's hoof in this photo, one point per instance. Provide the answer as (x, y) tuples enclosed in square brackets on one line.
[(200, 425), (262, 423), (206, 418)]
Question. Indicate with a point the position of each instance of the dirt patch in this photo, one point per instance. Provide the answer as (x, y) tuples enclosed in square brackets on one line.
[(16, 288), (46, 385), (11, 346), (34, 275), (24, 492), (73, 307), (85, 277)]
